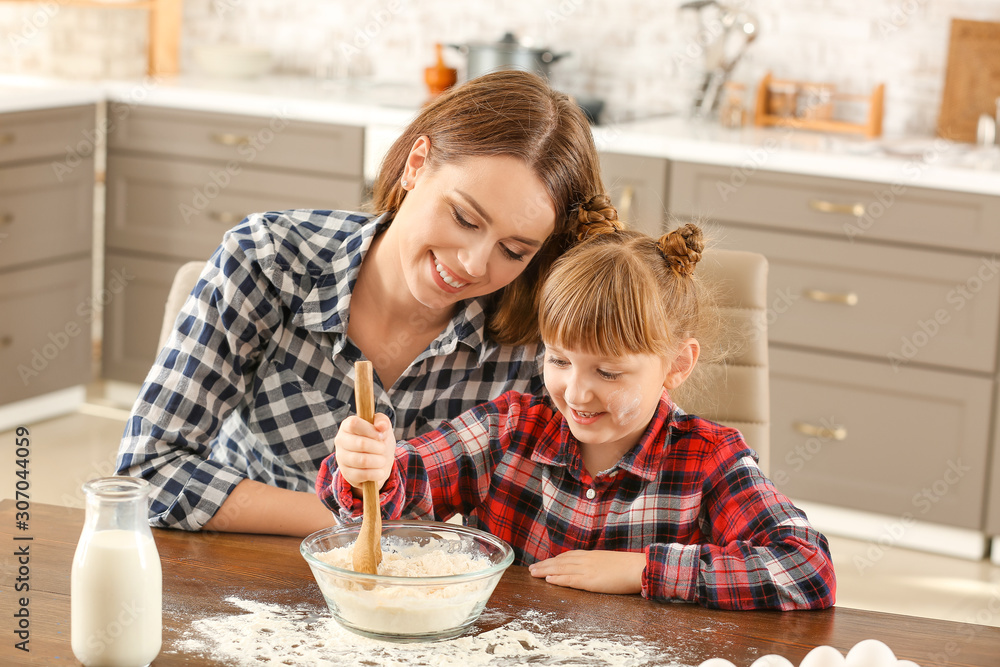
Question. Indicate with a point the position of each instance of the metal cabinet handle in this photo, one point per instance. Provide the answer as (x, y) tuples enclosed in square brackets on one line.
[(6, 341), (625, 203), (6, 219), (847, 299), (6, 139), (227, 139), (839, 433), (225, 217), (857, 210)]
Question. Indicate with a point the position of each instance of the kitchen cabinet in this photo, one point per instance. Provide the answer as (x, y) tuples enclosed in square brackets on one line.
[(884, 317), (178, 179), (638, 188), (46, 238)]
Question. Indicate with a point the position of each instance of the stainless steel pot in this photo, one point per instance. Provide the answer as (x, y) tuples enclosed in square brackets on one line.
[(508, 53)]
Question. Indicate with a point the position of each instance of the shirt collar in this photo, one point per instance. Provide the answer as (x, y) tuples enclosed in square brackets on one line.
[(327, 305), (644, 460)]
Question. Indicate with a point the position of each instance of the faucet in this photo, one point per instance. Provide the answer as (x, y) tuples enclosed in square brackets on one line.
[(738, 30)]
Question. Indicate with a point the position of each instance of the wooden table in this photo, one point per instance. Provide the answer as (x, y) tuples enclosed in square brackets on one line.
[(201, 570)]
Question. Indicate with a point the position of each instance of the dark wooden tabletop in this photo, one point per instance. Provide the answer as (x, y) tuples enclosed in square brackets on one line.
[(200, 570)]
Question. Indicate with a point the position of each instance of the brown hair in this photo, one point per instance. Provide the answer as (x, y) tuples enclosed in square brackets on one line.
[(516, 114), (622, 292)]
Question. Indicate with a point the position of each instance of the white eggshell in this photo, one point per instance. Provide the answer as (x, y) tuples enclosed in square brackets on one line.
[(870, 653), (716, 662), (772, 660), (906, 663), (823, 656)]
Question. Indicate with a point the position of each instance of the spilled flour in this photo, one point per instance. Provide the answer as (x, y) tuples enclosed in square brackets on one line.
[(271, 633)]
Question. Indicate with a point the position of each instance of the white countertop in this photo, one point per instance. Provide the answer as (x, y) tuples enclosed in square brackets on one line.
[(385, 108)]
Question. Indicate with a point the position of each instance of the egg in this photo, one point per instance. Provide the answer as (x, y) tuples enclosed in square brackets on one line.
[(716, 662), (772, 660), (823, 656), (870, 653)]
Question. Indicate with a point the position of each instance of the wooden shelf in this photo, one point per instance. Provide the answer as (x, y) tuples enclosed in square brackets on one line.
[(764, 115), (165, 20)]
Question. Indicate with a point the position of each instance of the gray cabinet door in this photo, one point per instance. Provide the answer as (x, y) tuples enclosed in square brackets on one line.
[(856, 434), (44, 216), (181, 208), (638, 188), (133, 309), (45, 329), (62, 136)]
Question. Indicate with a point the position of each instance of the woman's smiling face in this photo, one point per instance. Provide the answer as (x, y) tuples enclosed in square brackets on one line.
[(467, 229)]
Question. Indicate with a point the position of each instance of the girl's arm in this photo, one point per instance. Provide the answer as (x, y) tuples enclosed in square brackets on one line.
[(440, 474), (762, 551)]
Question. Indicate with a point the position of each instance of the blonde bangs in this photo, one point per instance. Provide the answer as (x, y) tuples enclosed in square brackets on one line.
[(601, 303)]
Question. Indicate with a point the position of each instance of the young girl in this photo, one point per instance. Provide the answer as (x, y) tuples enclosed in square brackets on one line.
[(602, 483)]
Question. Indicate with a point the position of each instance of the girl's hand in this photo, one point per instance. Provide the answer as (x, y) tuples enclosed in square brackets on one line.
[(365, 452), (596, 571)]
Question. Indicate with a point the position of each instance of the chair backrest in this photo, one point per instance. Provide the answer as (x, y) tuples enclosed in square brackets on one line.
[(184, 281), (735, 391)]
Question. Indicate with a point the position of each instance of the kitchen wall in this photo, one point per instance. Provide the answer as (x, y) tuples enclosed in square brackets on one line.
[(642, 56)]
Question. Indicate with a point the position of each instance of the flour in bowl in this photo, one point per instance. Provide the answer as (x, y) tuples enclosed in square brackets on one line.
[(407, 608)]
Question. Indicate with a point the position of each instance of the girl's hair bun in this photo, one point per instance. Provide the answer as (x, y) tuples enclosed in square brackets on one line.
[(682, 248), (597, 216)]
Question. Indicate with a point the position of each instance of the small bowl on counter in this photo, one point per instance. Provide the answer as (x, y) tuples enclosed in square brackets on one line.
[(466, 564)]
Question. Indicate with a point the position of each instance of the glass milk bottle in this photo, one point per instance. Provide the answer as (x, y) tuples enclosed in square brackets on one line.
[(116, 582)]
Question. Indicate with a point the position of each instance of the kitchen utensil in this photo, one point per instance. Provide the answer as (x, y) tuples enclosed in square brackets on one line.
[(409, 608), (723, 52), (508, 53), (972, 78), (368, 550), (986, 130), (439, 77)]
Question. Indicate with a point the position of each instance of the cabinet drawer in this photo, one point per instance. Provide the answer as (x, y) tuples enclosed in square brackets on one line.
[(134, 314), (48, 134), (45, 329), (182, 208), (638, 189), (909, 306), (258, 140), (913, 442), (851, 210), (43, 215)]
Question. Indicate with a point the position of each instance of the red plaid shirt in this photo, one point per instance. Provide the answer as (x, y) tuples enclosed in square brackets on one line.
[(689, 495)]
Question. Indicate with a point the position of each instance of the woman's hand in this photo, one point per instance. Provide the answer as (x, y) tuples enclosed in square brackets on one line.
[(596, 571), (365, 452)]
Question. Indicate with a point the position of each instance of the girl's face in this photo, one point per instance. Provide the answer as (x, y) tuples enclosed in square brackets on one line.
[(468, 229), (607, 401)]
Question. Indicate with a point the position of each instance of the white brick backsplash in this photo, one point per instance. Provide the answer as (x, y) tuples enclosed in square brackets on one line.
[(641, 56)]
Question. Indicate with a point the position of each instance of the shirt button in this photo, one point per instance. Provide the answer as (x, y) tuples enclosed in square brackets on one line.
[(590, 494)]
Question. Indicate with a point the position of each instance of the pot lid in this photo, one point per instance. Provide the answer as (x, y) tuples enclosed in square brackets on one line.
[(509, 43)]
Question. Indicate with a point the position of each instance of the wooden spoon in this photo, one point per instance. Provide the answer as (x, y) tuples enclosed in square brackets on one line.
[(367, 548)]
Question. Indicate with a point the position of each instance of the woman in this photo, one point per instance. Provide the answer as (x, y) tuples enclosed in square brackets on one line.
[(438, 289)]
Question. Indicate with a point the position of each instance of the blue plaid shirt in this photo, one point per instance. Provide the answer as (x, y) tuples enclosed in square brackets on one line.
[(258, 372)]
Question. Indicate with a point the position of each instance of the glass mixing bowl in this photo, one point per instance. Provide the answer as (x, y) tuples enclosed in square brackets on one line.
[(416, 608)]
